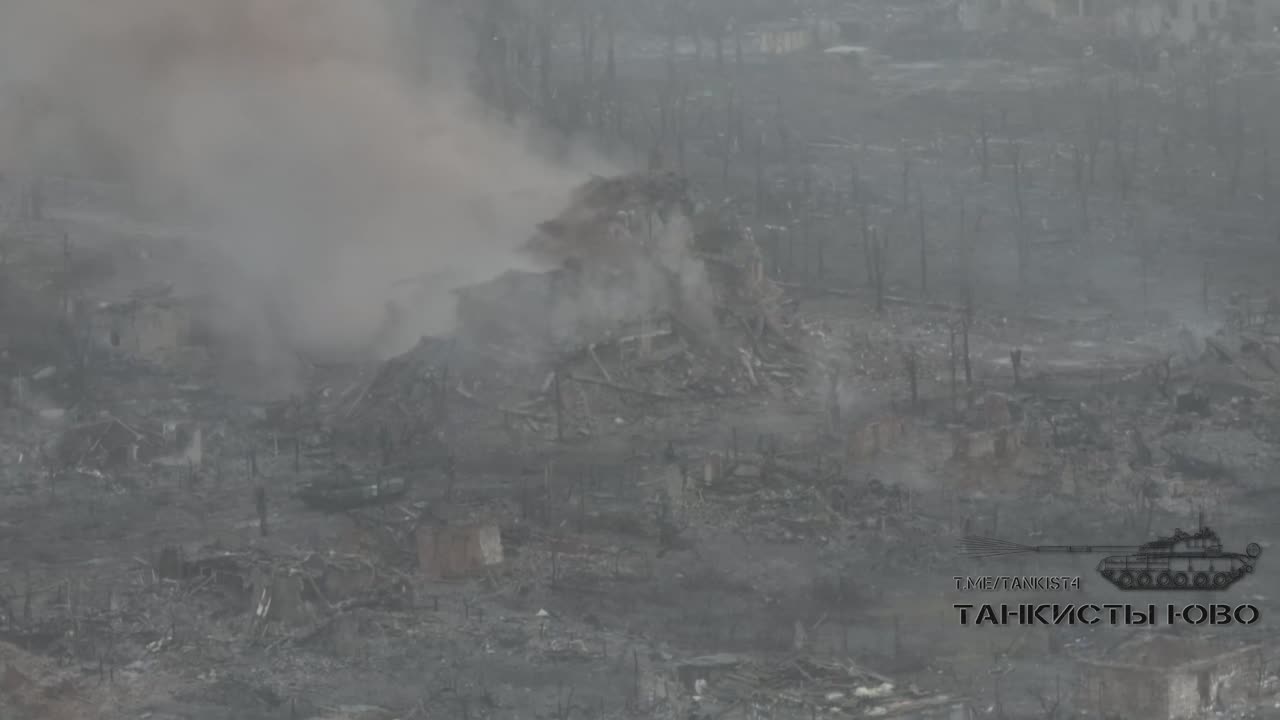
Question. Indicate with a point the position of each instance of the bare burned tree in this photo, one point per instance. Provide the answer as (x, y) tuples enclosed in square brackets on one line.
[(545, 31), (952, 363), (1081, 186), (1143, 242), (1050, 702), (924, 242), (609, 19), (877, 264), (868, 253), (1209, 73), (911, 363), (759, 173), (1237, 144), (1264, 180), (906, 177), (1204, 286), (965, 323), (730, 142), (588, 22), (984, 143), (1020, 209), (1093, 144)]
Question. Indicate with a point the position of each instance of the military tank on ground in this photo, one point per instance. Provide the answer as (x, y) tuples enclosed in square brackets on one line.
[(343, 489), (1181, 561)]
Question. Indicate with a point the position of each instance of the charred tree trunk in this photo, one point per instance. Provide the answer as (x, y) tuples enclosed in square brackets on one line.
[(1020, 230), (924, 243), (587, 45), (717, 41), (952, 364), (1237, 145), (984, 144), (1082, 187), (966, 323), (911, 362), (546, 32), (759, 172), (877, 257), (610, 49)]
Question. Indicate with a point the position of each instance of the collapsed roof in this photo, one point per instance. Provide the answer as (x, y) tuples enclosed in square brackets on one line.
[(626, 250)]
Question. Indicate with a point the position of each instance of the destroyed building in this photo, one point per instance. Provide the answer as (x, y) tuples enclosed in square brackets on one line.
[(1170, 676), (142, 328), (633, 263)]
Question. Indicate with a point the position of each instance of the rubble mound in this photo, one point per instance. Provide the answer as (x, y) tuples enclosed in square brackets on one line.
[(583, 230), (647, 301)]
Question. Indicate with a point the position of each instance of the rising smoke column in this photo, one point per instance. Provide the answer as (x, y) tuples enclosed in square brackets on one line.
[(293, 133)]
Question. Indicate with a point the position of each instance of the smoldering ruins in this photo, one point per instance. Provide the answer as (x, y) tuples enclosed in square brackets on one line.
[(416, 359)]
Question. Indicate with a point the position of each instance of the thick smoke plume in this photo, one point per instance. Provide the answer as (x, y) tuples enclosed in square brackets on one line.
[(328, 148)]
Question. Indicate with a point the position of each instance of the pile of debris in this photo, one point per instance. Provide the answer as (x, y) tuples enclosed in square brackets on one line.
[(741, 683), (111, 443), (648, 300)]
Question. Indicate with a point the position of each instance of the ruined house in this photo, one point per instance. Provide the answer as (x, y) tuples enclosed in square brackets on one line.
[(628, 253), (783, 38), (147, 329), (1168, 675), (455, 551)]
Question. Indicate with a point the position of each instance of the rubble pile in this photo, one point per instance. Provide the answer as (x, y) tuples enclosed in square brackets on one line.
[(729, 682), (648, 301)]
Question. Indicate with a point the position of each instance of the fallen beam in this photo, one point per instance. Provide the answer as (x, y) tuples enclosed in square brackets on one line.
[(620, 388)]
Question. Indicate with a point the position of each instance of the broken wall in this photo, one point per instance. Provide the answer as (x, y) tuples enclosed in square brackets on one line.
[(144, 331), (1225, 681), (1132, 693), (457, 551)]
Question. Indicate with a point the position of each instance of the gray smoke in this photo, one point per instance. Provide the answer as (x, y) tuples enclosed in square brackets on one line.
[(328, 148)]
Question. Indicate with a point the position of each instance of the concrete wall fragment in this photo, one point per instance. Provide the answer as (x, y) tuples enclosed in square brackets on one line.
[(456, 551)]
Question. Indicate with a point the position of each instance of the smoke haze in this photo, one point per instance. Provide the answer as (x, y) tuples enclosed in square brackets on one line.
[(304, 138)]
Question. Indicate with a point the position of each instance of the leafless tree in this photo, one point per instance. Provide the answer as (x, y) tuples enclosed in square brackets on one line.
[(1020, 229), (911, 363), (924, 242), (1050, 702), (877, 262), (984, 141), (1081, 186), (1238, 141)]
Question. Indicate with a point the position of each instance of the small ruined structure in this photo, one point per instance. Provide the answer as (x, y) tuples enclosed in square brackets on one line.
[(455, 551), (782, 38), (989, 434), (142, 328), (1167, 675), (869, 439)]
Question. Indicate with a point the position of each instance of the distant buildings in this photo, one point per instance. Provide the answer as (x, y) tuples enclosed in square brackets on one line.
[(1181, 21)]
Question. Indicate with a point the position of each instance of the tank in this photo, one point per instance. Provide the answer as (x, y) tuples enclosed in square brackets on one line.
[(343, 490), (1181, 561)]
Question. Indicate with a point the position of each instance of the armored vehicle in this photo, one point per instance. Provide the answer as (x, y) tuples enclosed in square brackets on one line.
[(343, 490)]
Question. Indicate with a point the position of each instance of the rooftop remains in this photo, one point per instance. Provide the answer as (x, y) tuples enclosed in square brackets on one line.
[(1168, 650)]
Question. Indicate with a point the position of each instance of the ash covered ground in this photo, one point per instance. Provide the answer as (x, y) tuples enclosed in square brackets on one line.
[(592, 360)]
